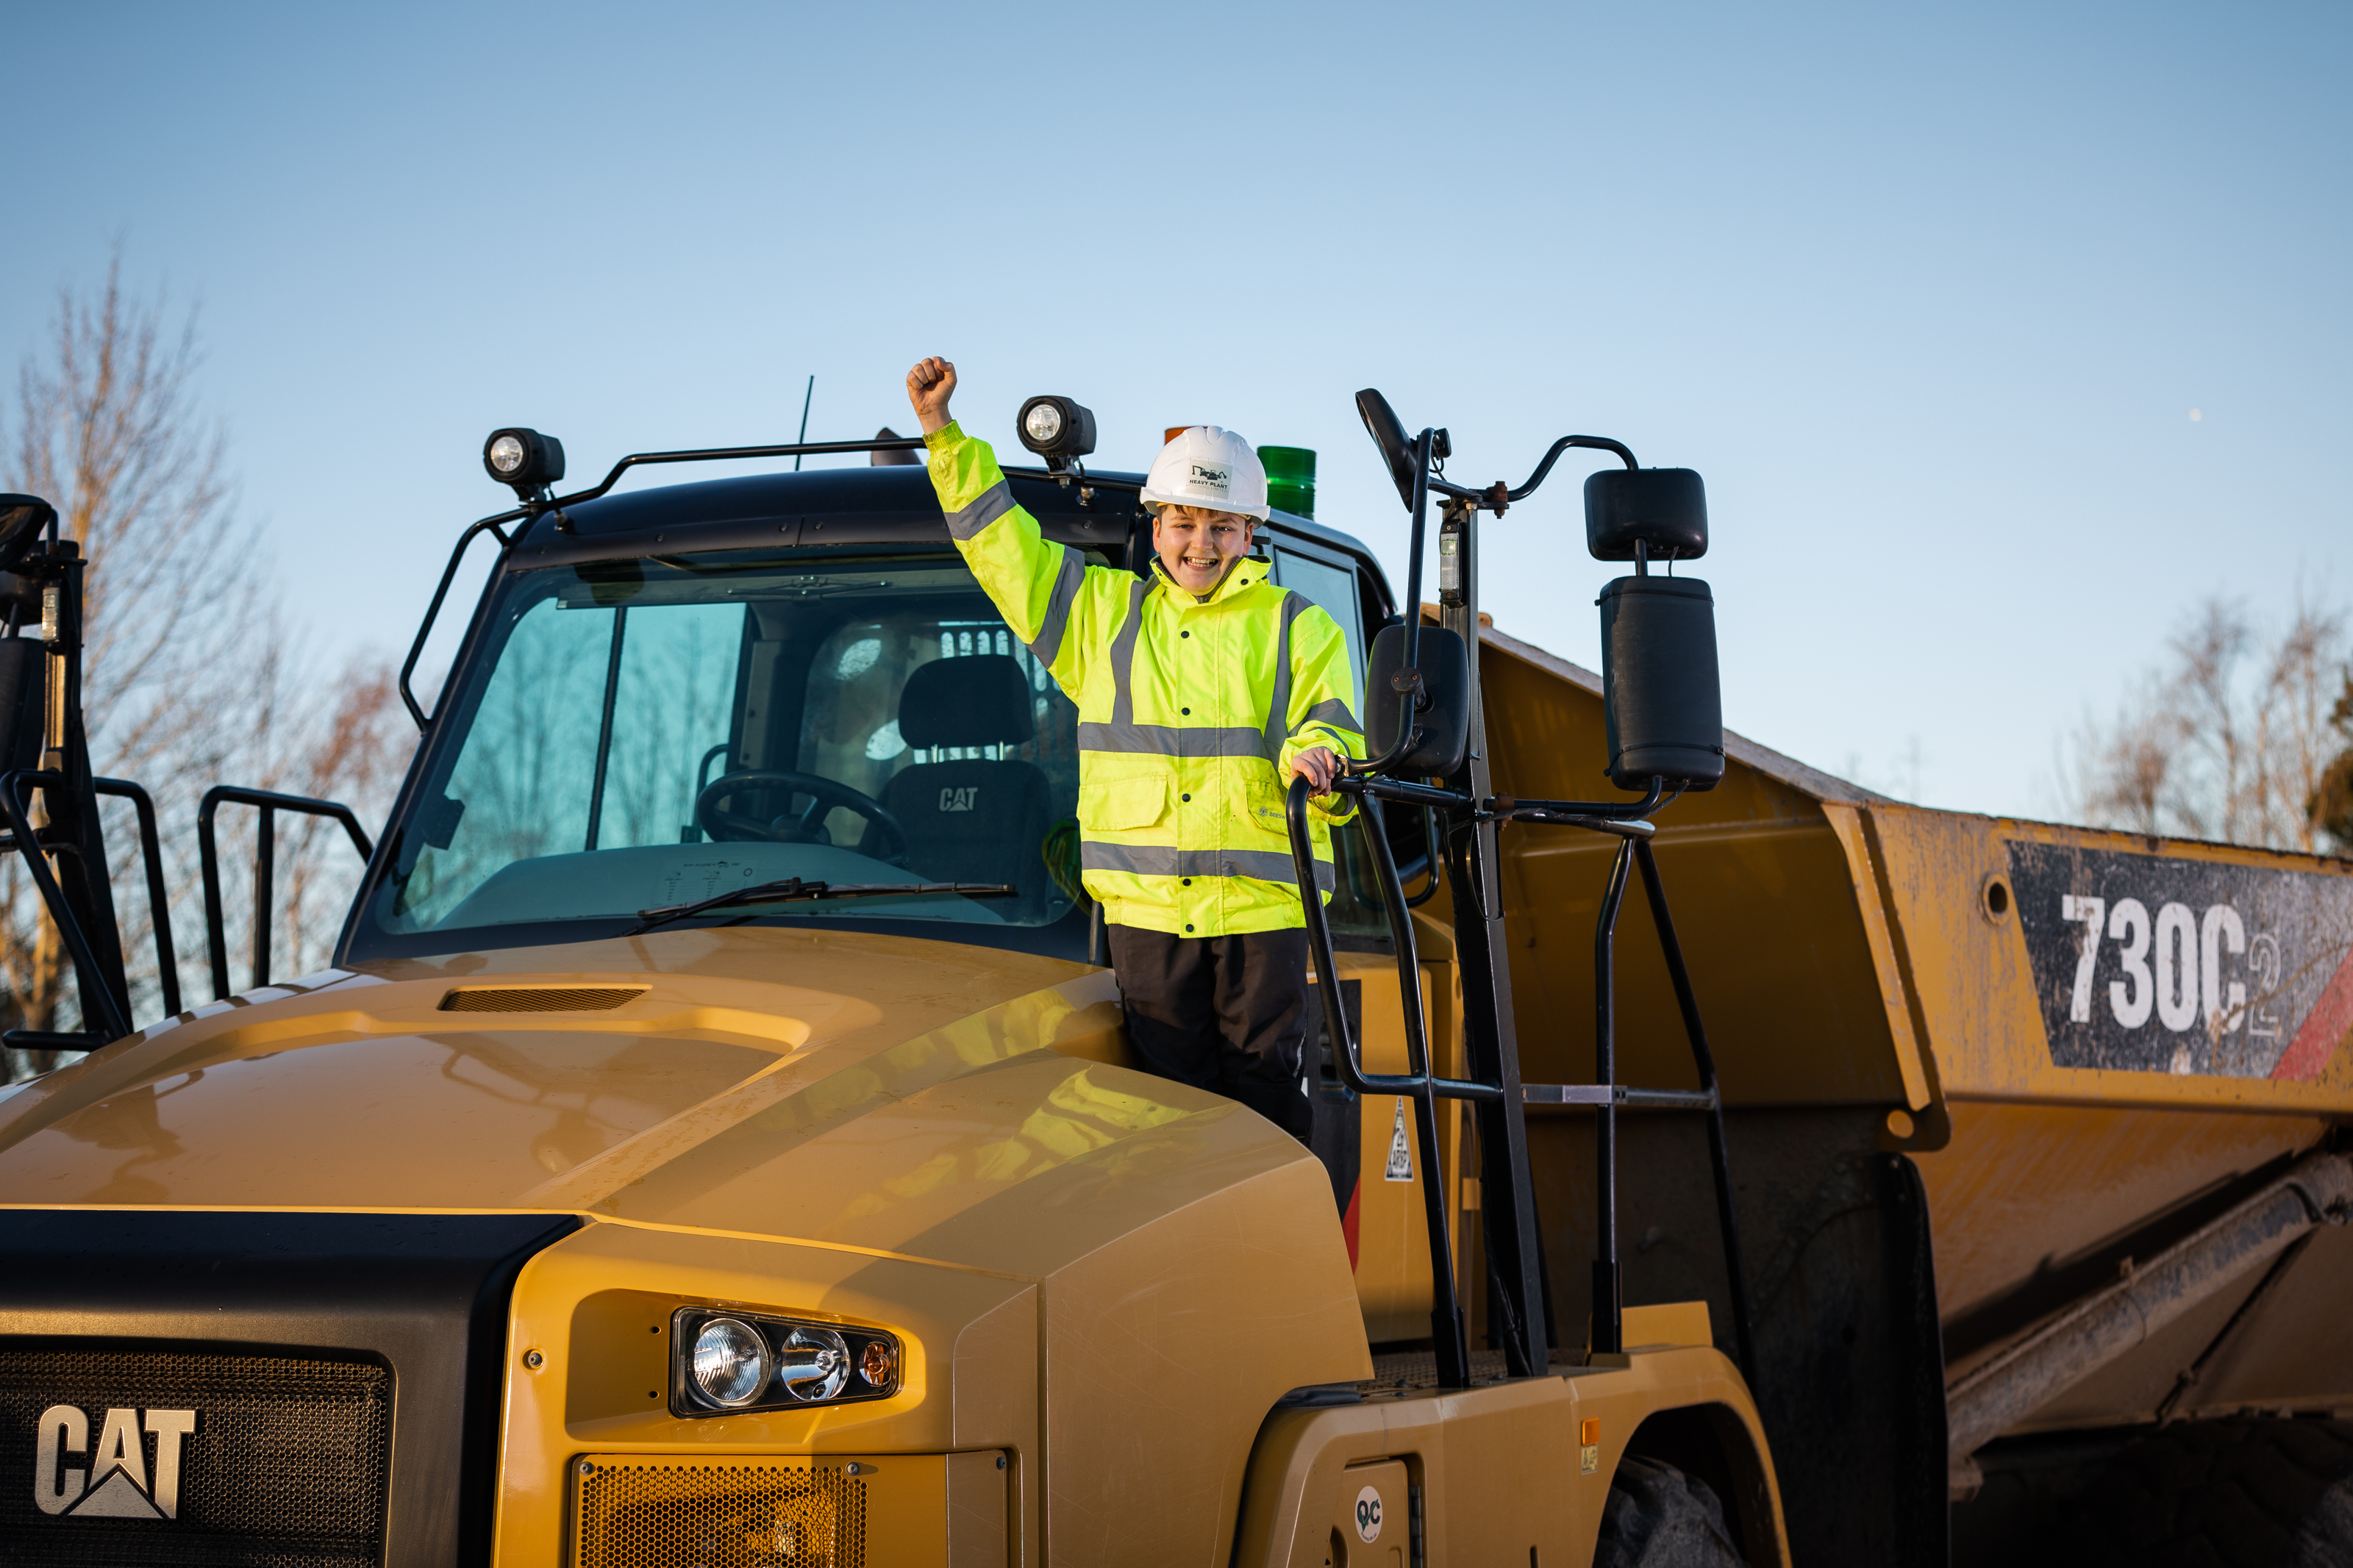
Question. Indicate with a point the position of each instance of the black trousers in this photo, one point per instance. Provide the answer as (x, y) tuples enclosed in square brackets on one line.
[(1228, 1014)]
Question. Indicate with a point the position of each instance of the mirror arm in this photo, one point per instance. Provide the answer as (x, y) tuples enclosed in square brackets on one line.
[(1597, 443)]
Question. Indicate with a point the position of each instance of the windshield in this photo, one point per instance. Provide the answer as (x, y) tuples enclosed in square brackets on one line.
[(642, 734)]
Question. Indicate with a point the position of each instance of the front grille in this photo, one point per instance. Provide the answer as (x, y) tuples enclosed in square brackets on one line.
[(286, 1466), (539, 998), (717, 1513)]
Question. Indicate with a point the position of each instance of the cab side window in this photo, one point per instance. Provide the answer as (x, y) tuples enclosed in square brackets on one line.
[(1330, 585), (1332, 588)]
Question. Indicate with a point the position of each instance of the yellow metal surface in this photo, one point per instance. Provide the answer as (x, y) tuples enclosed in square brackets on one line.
[(1122, 1272), (1497, 1465), (1765, 900), (2023, 1189)]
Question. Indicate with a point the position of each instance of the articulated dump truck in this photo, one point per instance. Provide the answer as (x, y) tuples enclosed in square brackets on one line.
[(716, 1141)]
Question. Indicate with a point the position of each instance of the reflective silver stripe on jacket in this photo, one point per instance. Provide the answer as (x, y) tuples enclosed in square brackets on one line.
[(1278, 711), (1334, 712), (987, 507), (1122, 660), (1048, 643), (1172, 740), (1160, 860)]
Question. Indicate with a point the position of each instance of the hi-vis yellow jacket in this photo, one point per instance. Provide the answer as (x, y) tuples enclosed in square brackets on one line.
[(1189, 712)]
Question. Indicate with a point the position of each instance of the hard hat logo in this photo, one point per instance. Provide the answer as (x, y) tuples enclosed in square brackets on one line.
[(1207, 477)]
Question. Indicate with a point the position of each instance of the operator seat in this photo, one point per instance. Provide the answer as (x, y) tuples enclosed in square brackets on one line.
[(973, 820)]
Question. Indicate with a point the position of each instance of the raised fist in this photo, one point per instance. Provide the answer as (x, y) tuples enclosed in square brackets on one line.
[(929, 387)]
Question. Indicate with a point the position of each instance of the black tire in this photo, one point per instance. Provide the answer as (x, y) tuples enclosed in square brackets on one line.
[(2259, 1493), (1658, 1517)]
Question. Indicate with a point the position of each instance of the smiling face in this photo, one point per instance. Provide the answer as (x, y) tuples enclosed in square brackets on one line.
[(1198, 547)]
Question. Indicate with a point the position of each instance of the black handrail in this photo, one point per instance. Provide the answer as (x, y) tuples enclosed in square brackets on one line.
[(265, 867), (95, 999), (433, 610), (1718, 1152), (159, 910), (1449, 1339)]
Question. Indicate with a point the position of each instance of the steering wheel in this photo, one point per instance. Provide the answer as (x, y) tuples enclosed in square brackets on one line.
[(809, 827)]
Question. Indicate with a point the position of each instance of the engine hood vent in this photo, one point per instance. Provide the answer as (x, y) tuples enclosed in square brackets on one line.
[(539, 998)]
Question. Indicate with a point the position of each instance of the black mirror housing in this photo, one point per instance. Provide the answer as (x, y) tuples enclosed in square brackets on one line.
[(1389, 434), (1661, 698), (1663, 510), (1443, 712), (22, 518)]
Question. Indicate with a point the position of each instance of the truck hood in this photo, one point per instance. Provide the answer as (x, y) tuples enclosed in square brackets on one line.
[(841, 1088)]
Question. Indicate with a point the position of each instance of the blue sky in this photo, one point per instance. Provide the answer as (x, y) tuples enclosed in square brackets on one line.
[(1926, 294)]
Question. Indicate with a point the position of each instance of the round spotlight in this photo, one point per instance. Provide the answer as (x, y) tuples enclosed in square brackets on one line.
[(731, 1362), (1057, 429), (813, 1363), (523, 458)]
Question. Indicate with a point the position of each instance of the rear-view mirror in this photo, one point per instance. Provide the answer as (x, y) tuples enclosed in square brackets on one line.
[(1381, 423), (1663, 510), (1443, 711), (1662, 702), (22, 518)]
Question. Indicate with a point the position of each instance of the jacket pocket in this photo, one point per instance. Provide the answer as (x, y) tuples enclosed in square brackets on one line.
[(1120, 804)]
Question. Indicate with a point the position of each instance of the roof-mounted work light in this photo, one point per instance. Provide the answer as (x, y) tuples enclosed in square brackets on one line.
[(524, 458), (1057, 429)]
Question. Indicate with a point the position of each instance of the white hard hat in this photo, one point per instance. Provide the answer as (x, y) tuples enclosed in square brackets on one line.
[(1206, 466)]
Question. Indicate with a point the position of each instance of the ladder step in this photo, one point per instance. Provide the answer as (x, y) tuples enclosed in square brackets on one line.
[(1622, 1096)]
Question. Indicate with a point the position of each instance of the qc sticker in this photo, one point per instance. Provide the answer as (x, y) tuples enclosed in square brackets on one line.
[(1369, 1515), (1400, 1165)]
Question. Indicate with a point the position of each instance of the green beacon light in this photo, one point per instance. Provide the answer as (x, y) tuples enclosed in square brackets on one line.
[(1290, 479)]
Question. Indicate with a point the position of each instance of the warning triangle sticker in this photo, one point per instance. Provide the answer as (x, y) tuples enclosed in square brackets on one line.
[(117, 1498), (1400, 1165)]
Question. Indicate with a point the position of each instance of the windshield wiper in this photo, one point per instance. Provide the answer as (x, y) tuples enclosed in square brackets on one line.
[(793, 890)]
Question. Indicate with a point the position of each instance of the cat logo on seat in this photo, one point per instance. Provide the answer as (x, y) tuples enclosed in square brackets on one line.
[(964, 798), (114, 1483)]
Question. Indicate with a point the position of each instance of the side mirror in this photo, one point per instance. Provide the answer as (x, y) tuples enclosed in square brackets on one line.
[(1389, 434), (1444, 711), (1664, 509), (1661, 700), (22, 518)]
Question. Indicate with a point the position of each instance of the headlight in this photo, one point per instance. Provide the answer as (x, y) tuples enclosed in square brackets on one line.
[(727, 1361), (812, 1364), (730, 1363)]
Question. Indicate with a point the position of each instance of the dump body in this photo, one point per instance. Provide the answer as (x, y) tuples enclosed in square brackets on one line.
[(1890, 990)]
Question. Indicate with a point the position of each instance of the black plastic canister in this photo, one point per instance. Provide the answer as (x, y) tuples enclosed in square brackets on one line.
[(1659, 694)]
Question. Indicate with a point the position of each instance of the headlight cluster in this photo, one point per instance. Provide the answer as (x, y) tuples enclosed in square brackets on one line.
[(725, 1362)]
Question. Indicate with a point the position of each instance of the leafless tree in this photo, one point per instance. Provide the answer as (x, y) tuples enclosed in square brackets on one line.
[(2331, 806), (2229, 739), (186, 677)]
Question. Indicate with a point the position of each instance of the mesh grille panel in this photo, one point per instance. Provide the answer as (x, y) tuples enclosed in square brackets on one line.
[(286, 1466), (539, 998), (717, 1514)]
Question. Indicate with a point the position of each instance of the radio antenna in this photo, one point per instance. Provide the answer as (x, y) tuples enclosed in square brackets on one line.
[(803, 439)]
